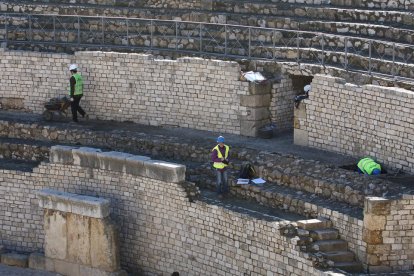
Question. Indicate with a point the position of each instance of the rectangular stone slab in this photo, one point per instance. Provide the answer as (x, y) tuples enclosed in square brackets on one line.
[(112, 160), (72, 203), (135, 165), (165, 171), (86, 157), (61, 154)]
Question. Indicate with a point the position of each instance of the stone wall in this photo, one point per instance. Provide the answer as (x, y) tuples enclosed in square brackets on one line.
[(359, 121), (282, 104), (162, 228), (188, 92), (389, 233)]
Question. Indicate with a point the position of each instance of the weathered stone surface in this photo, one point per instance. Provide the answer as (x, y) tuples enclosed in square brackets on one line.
[(251, 128), (37, 261), (135, 165), (372, 236), (90, 271), (300, 137), (78, 239), (104, 245), (14, 259), (377, 206), (379, 269), (72, 203), (86, 157), (258, 113), (300, 111), (165, 171), (255, 100), (260, 89), (66, 268), (373, 222), (113, 160), (55, 234), (61, 154)]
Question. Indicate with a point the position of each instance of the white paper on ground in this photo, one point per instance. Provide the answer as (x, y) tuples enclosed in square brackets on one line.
[(242, 181), (258, 181)]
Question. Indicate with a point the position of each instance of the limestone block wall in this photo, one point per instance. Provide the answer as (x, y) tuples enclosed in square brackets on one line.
[(162, 230), (361, 121), (389, 233), (188, 92), (282, 104)]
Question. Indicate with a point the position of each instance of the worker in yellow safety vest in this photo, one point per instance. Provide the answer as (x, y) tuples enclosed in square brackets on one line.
[(220, 158), (76, 92), (369, 166)]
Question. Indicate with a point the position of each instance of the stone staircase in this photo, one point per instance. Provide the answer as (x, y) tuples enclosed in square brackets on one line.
[(325, 247)]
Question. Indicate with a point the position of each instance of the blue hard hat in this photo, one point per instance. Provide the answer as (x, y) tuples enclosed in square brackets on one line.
[(376, 172), (220, 139)]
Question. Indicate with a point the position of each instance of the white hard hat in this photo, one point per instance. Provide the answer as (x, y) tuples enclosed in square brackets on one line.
[(307, 88), (73, 67)]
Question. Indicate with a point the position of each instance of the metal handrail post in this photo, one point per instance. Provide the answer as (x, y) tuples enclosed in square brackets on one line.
[(393, 60), (225, 40), (127, 30), (323, 50), (297, 48), (30, 28), (250, 42), (152, 32), (274, 45), (54, 28), (201, 38), (176, 35), (370, 56), (346, 53), (6, 29), (103, 31), (78, 30)]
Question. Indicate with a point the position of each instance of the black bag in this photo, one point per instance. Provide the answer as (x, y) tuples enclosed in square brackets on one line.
[(247, 171)]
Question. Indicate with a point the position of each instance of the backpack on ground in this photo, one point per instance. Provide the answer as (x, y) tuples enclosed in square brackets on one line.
[(247, 171)]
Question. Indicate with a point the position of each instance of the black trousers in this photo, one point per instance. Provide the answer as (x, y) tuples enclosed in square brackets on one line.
[(76, 108)]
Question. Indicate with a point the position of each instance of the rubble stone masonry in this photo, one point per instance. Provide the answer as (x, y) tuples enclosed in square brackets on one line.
[(361, 121)]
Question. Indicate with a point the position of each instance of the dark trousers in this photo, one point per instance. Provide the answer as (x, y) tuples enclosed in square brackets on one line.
[(76, 108)]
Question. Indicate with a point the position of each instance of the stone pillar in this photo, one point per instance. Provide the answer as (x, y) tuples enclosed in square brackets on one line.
[(300, 132), (257, 105), (79, 237), (376, 210)]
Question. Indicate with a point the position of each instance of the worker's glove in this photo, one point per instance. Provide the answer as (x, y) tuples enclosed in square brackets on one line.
[(226, 162)]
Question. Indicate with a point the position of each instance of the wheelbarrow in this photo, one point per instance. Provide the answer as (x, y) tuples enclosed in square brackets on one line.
[(56, 108)]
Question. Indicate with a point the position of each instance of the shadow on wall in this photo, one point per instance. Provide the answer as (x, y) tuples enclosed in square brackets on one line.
[(299, 82)]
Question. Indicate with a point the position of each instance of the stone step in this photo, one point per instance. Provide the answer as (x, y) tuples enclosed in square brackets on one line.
[(324, 234), (330, 245), (340, 256), (351, 267), (313, 224)]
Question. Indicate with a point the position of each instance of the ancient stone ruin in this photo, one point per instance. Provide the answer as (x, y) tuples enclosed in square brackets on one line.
[(130, 191)]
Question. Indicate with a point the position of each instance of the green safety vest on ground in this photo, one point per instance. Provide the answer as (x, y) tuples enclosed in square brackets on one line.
[(78, 85), (367, 165), (221, 165)]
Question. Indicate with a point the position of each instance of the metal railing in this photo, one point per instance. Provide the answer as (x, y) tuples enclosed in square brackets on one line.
[(208, 39)]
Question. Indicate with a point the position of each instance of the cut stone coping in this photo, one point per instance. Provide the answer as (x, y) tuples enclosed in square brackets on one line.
[(118, 162), (72, 203)]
